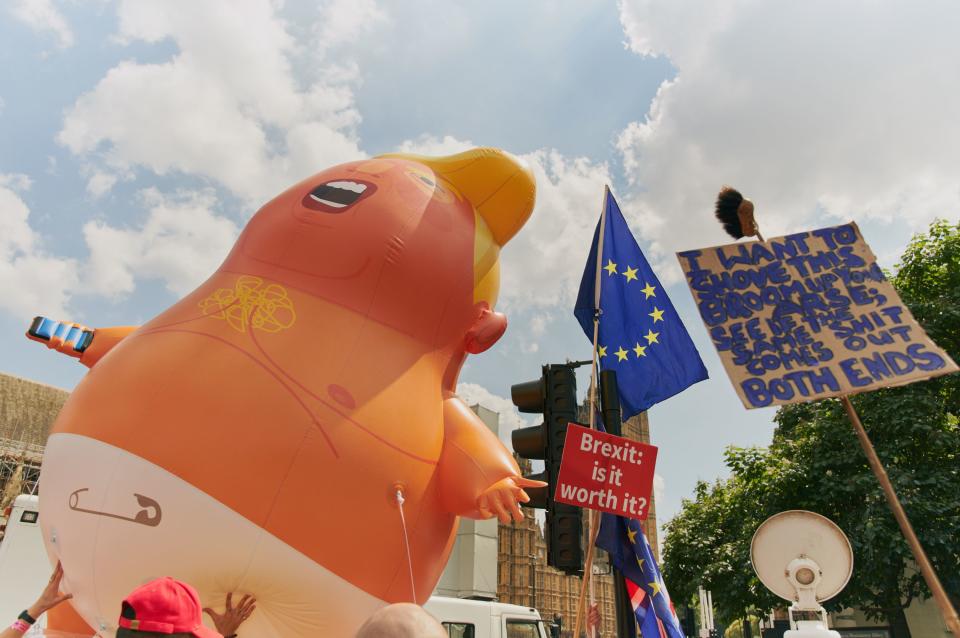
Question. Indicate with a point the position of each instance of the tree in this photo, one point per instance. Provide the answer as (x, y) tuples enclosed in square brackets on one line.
[(815, 462)]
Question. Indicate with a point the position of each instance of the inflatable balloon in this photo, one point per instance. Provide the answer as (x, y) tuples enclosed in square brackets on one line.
[(260, 434)]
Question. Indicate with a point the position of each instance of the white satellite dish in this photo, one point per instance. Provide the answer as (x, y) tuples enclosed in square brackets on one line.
[(805, 558)]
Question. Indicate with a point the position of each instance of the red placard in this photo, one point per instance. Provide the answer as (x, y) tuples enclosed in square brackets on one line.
[(604, 472)]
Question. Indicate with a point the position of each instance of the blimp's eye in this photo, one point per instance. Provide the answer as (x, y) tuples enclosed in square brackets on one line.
[(336, 196), (429, 185)]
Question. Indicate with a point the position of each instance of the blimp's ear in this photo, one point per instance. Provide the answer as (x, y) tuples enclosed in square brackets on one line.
[(486, 330), (500, 186)]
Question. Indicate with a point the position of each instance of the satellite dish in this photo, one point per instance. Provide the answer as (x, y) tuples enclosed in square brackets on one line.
[(802, 557)]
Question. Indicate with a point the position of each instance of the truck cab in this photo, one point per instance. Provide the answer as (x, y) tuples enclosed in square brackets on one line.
[(485, 619), (24, 567)]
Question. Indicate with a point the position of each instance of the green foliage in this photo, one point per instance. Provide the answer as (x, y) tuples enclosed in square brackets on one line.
[(815, 462)]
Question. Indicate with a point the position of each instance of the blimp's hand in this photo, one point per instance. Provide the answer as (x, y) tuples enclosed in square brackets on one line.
[(503, 498), (69, 338), (75, 340)]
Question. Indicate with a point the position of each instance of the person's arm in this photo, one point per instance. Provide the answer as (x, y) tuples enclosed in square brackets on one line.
[(232, 617), (593, 621), (50, 598)]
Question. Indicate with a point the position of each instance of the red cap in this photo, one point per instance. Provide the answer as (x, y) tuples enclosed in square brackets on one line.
[(166, 606)]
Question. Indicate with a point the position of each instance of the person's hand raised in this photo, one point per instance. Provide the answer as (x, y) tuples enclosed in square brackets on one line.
[(232, 617), (51, 596)]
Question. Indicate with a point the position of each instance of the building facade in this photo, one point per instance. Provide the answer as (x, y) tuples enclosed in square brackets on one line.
[(524, 577)]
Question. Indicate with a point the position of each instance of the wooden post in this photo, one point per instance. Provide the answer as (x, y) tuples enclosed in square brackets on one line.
[(929, 575), (587, 572)]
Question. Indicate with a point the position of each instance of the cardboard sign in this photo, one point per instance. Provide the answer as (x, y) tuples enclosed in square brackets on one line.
[(604, 472), (807, 316)]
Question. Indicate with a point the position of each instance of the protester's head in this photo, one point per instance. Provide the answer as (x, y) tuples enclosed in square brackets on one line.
[(164, 608), (401, 620)]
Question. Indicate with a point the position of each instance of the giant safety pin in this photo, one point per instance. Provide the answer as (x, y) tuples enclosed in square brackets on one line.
[(143, 517)]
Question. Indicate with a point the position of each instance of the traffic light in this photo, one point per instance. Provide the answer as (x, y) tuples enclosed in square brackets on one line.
[(555, 395)]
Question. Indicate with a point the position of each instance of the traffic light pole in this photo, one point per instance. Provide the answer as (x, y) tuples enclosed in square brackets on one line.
[(555, 395)]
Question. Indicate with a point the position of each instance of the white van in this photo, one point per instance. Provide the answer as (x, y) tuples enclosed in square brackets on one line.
[(483, 619), (24, 567)]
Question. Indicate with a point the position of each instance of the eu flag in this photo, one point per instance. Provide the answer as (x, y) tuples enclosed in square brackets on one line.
[(630, 553), (641, 336)]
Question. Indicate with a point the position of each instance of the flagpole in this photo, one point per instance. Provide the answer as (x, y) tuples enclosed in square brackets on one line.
[(587, 580), (926, 569)]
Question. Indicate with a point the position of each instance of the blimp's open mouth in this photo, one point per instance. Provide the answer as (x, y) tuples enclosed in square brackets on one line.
[(337, 196)]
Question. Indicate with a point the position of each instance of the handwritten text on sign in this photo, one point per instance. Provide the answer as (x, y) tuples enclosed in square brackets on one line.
[(604, 472), (807, 316)]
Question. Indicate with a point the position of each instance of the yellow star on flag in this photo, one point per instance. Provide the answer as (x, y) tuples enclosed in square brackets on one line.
[(652, 337), (648, 291), (621, 354), (632, 535), (611, 267), (654, 588), (601, 352), (641, 351), (657, 314), (640, 562), (630, 274)]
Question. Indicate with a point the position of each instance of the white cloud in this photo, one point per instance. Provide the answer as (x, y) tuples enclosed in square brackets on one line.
[(232, 106), (227, 106), (16, 181), (812, 109), (536, 328), (659, 487), (430, 145), (659, 491), (100, 183), (41, 15), (543, 264), (346, 21), (32, 281), (181, 243), (538, 324)]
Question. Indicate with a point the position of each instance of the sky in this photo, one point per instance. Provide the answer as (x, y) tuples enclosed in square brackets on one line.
[(137, 138)]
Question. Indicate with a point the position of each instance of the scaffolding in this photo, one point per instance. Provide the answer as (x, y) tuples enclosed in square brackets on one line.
[(27, 411), (19, 469)]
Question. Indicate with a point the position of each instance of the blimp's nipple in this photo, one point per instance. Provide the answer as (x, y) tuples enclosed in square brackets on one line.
[(342, 396)]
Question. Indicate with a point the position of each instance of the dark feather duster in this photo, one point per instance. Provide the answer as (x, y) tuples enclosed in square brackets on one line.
[(728, 201)]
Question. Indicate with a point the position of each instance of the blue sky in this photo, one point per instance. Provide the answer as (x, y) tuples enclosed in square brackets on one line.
[(136, 138)]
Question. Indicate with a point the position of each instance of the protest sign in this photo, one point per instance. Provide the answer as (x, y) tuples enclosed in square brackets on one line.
[(807, 316), (604, 472)]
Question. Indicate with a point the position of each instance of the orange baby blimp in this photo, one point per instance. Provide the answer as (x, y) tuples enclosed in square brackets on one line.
[(256, 436)]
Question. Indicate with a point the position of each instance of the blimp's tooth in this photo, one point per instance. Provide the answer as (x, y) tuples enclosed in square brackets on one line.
[(349, 186), (326, 202)]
